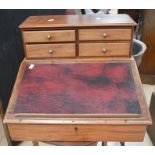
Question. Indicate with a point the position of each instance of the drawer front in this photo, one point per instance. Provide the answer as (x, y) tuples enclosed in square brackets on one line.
[(105, 34), (104, 49), (50, 50), (76, 132), (49, 36)]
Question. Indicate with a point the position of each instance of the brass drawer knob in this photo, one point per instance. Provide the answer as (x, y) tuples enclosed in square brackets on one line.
[(104, 35), (49, 37), (50, 51), (104, 50)]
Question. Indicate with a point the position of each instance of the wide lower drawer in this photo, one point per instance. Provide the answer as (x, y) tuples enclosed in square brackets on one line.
[(105, 34), (86, 132), (104, 49), (50, 50), (49, 36)]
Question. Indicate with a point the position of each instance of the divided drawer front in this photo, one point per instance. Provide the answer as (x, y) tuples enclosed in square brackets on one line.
[(50, 50), (104, 49), (105, 34), (49, 36)]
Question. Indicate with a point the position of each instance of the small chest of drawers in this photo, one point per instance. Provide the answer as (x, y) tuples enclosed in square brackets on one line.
[(89, 36)]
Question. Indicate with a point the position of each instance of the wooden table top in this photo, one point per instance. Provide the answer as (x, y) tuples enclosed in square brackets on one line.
[(51, 21)]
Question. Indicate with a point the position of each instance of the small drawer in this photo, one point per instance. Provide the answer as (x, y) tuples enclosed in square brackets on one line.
[(104, 49), (49, 36), (50, 50), (105, 34)]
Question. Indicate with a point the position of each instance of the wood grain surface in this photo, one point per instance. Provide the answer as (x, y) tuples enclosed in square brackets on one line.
[(76, 20), (104, 49), (105, 34), (76, 132), (49, 36), (50, 50)]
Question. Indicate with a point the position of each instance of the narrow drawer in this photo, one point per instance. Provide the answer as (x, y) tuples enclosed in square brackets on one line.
[(104, 49), (49, 36), (105, 34), (48, 132), (50, 50)]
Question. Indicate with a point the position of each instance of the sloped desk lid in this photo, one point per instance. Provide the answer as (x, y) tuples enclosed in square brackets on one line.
[(78, 90)]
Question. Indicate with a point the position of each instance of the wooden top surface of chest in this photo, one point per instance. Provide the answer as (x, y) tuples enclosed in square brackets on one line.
[(52, 21)]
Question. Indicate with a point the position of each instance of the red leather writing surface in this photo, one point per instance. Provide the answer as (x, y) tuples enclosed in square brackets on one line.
[(78, 88)]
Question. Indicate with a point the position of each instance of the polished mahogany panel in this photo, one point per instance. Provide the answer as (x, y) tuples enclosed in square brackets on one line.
[(78, 88)]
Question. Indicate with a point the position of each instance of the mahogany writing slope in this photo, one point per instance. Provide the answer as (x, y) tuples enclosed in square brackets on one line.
[(74, 89), (78, 81)]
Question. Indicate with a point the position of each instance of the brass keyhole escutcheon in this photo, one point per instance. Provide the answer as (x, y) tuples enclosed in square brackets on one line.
[(76, 129)]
